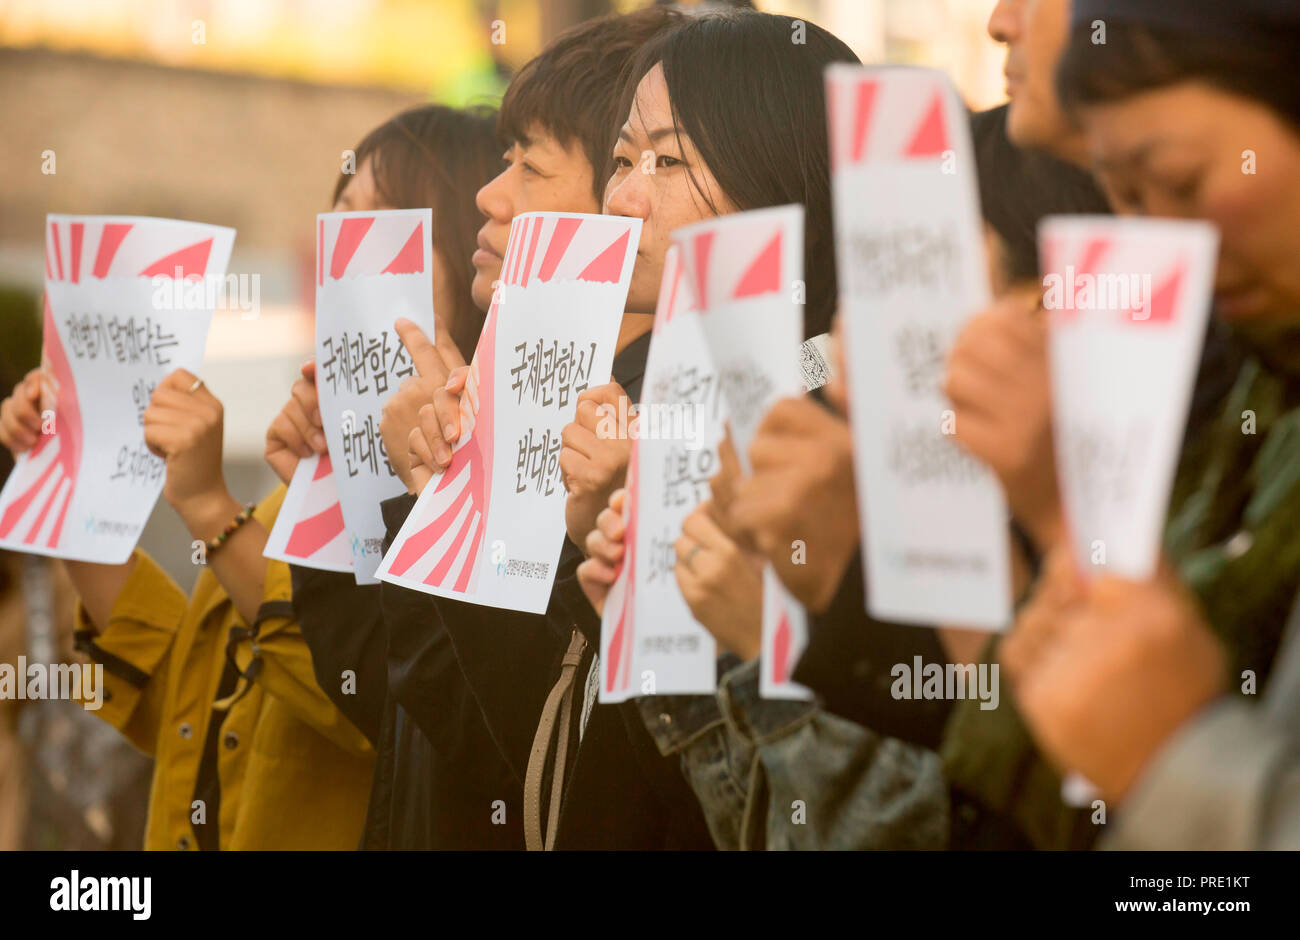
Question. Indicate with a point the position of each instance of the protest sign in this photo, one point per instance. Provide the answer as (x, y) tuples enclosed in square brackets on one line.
[(372, 268), (912, 269), (650, 642), (128, 300), (1127, 301), (745, 273), (489, 529), (309, 529)]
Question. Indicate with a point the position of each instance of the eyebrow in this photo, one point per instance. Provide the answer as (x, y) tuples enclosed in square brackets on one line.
[(655, 135)]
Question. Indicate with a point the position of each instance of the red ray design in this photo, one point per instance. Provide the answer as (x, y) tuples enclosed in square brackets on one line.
[(1164, 299), (109, 241), (565, 229), (410, 260), (781, 648), (764, 274), (931, 137), (78, 233), (420, 542), (864, 107), (620, 643), (608, 265), (68, 437), (351, 232), (703, 246), (58, 250), (191, 261), (532, 249), (315, 532)]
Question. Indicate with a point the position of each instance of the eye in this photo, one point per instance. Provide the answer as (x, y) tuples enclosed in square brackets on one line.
[(1182, 190), (529, 168), (666, 161), (622, 163)]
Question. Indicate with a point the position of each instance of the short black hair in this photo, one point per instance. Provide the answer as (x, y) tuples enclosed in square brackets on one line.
[(1018, 187), (1136, 58), (571, 87)]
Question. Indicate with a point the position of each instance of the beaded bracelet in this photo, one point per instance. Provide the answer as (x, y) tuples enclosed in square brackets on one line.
[(231, 527)]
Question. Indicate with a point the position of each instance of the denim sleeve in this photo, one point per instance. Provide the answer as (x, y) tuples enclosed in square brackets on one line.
[(787, 775), (822, 782)]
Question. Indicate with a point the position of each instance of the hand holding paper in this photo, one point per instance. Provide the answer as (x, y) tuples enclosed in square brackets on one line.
[(126, 303), (489, 528), (911, 261), (1128, 300), (296, 433)]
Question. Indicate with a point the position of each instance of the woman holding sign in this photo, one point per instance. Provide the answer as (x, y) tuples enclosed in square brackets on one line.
[(438, 157), (1191, 111), (686, 152), (217, 687)]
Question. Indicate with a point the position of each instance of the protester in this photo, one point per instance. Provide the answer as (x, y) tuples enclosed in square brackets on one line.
[(438, 157), (218, 687), (699, 171), (1127, 682)]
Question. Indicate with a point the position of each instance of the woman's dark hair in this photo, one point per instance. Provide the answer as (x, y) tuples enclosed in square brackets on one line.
[(571, 88), (438, 157), (1136, 58), (752, 98), (1018, 187)]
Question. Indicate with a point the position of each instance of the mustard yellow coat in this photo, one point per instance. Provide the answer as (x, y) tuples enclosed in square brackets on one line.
[(294, 772)]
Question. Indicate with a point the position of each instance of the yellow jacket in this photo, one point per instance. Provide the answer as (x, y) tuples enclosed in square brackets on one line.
[(294, 772)]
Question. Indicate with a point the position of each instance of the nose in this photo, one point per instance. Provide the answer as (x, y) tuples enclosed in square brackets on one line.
[(493, 199), (629, 196), (1004, 21)]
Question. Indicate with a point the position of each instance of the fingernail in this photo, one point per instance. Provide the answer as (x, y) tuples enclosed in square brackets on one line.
[(442, 454), (449, 432), (318, 441)]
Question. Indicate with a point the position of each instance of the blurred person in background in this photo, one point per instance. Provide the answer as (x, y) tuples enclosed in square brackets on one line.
[(437, 157), (1146, 687)]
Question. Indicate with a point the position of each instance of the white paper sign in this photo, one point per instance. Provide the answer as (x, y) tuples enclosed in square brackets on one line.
[(650, 642), (1128, 300), (128, 300), (912, 269), (371, 268), (745, 272), (309, 529), (490, 528)]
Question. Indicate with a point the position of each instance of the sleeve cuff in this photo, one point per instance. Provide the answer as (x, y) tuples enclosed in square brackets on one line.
[(1207, 788), (756, 719), (149, 599)]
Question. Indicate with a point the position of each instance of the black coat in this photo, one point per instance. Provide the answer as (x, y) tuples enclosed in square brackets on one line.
[(620, 792), (424, 796)]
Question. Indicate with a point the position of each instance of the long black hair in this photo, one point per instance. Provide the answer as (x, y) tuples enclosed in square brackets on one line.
[(751, 96)]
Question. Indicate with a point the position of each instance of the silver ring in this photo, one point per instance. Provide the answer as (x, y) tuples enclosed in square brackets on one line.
[(195, 386), (690, 556)]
